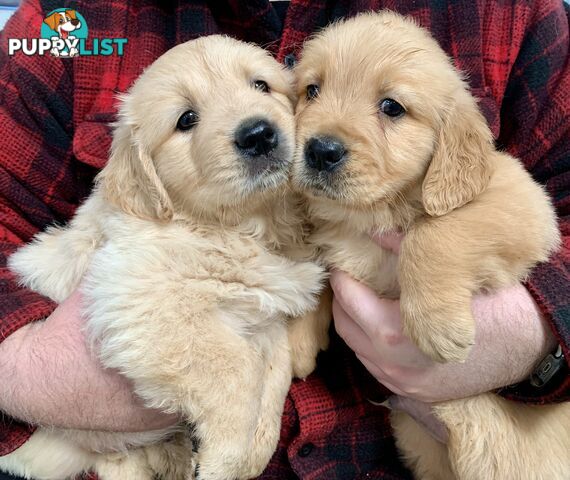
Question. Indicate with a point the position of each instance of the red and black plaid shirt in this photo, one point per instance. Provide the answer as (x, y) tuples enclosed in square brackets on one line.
[(54, 117)]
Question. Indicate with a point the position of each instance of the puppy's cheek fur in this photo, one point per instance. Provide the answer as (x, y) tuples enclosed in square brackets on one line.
[(199, 174), (397, 160), (176, 166)]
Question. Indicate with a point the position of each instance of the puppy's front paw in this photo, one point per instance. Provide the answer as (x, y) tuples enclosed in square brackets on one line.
[(294, 287), (305, 344), (304, 358), (223, 468), (444, 334), (172, 459)]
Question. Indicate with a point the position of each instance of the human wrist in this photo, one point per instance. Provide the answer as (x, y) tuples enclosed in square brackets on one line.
[(550, 371), (517, 319)]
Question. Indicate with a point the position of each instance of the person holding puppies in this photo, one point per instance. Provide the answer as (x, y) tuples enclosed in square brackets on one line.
[(54, 114)]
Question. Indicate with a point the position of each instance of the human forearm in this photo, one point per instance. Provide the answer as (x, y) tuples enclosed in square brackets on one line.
[(511, 338), (52, 379)]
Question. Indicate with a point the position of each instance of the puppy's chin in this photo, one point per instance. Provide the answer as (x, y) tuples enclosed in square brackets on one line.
[(320, 184), (317, 186), (338, 189), (267, 179), (266, 172)]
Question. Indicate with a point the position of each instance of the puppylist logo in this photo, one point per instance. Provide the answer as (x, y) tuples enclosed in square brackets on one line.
[(64, 33)]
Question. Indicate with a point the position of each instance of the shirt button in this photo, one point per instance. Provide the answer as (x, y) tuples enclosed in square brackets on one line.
[(305, 450)]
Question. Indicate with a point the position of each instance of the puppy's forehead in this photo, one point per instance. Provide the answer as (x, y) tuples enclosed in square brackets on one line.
[(386, 45), (215, 61)]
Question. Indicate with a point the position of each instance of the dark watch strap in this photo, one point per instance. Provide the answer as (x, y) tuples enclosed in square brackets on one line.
[(550, 373), (547, 369)]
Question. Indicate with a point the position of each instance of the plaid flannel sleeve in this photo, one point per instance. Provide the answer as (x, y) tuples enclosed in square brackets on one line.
[(536, 114), (36, 177)]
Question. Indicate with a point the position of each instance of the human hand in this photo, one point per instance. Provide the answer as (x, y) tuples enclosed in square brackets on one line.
[(512, 337), (50, 377)]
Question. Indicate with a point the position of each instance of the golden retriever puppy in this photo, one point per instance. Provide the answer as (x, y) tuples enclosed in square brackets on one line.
[(390, 139), (180, 255)]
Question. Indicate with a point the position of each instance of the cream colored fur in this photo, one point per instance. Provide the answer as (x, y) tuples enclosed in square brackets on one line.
[(190, 267), (473, 217)]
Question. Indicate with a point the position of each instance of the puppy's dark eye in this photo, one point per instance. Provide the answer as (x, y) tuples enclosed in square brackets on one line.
[(391, 108), (261, 85), (187, 120), (312, 91)]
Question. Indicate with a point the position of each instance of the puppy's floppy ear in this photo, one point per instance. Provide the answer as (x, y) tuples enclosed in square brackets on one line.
[(72, 14), (459, 169), (51, 20), (129, 180)]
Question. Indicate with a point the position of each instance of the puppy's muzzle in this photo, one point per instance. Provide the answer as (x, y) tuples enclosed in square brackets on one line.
[(256, 137), (324, 154)]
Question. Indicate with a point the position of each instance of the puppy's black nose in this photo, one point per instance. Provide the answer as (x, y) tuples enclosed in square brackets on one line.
[(256, 137), (324, 153), (74, 22)]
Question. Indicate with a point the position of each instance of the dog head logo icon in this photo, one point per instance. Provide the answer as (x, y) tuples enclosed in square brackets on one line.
[(65, 27)]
